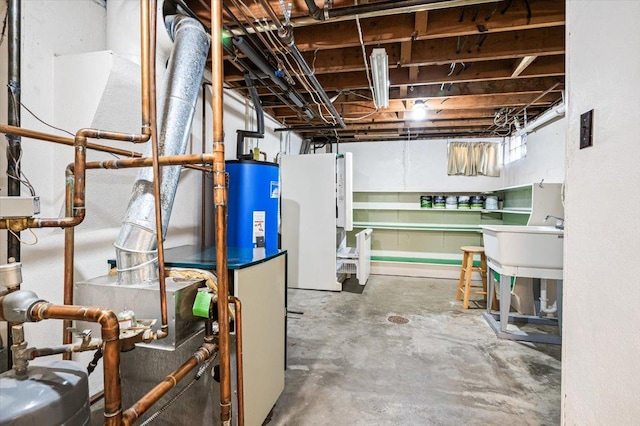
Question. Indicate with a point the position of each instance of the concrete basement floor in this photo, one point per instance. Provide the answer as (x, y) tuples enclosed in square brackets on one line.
[(348, 365)]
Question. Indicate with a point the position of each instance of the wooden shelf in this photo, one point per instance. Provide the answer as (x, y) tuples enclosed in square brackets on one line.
[(416, 207), (422, 240), (419, 226), (405, 206)]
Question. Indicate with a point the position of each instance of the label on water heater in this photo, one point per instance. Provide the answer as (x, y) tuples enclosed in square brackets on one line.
[(274, 189), (258, 228)]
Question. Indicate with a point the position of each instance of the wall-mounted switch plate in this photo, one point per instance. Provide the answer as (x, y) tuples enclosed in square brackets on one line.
[(586, 129)]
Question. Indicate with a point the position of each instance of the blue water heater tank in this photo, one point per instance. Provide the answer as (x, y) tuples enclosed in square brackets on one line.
[(254, 193)]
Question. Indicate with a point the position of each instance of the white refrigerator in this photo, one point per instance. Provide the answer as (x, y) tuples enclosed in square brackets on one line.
[(316, 208)]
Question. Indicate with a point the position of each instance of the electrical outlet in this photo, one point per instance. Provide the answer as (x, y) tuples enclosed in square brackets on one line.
[(586, 129)]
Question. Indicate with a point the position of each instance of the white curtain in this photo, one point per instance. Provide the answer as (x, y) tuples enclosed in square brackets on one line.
[(473, 158)]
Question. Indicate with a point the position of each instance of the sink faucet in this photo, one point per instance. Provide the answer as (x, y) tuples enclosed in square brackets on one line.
[(559, 221)]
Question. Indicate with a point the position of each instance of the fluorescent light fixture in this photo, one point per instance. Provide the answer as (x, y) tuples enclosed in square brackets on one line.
[(380, 73), (419, 110)]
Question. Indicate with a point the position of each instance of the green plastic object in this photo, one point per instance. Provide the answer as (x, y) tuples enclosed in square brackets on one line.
[(201, 304), (496, 277)]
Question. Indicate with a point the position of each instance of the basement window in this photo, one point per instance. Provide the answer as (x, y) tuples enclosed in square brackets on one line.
[(515, 148)]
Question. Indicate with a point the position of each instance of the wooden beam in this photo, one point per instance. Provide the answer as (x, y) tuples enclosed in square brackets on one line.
[(420, 25), (516, 44), (446, 22), (478, 88), (443, 23), (521, 65), (405, 53), (413, 74), (438, 74), (463, 102), (430, 123)]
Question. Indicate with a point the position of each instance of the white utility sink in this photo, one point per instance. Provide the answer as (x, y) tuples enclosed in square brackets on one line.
[(530, 247)]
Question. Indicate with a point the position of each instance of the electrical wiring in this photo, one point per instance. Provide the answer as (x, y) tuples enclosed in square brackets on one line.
[(15, 102), (4, 26), (21, 177), (290, 67), (364, 57), (33, 243), (301, 76), (361, 117)]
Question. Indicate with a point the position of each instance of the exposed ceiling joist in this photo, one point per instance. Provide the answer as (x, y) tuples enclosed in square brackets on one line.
[(466, 59)]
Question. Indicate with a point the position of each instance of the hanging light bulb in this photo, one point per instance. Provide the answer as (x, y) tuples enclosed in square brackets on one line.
[(419, 110)]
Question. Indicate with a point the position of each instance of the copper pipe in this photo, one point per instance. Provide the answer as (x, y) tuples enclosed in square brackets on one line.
[(79, 168), (220, 205), (18, 131), (96, 397), (111, 352), (131, 414), (69, 250), (150, 18), (169, 160), (65, 349), (203, 181), (145, 72), (239, 365)]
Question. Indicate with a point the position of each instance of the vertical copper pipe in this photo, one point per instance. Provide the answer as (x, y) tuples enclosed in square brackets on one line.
[(110, 331), (220, 205), (239, 365), (145, 48), (151, 81), (69, 248), (203, 195)]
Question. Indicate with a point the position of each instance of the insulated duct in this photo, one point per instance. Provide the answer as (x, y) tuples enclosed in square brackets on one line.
[(548, 116), (136, 246), (259, 133)]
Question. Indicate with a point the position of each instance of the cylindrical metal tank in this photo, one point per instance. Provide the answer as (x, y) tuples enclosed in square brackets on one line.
[(254, 193), (51, 393)]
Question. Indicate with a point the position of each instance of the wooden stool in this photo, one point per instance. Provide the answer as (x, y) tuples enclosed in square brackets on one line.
[(464, 285)]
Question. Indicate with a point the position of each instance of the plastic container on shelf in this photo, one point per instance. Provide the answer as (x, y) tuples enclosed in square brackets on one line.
[(491, 202), (476, 202), (426, 201), (464, 202), (451, 202), (439, 202)]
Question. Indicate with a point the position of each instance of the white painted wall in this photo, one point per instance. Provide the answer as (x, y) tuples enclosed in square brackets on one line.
[(411, 165), (545, 157), (601, 347), (64, 62)]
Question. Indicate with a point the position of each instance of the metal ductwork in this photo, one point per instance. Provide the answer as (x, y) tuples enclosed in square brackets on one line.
[(136, 246)]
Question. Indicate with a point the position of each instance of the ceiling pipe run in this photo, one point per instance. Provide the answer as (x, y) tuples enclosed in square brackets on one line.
[(259, 132), (257, 59), (546, 117), (384, 8), (136, 245), (287, 37)]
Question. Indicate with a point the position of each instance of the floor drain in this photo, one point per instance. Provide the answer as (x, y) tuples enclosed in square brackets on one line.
[(396, 319)]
